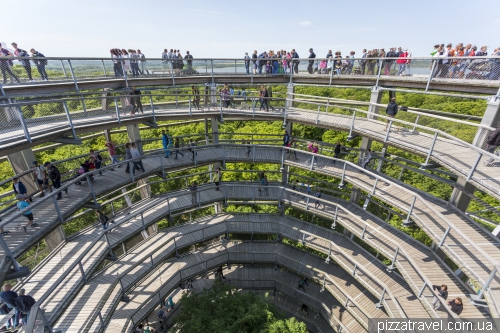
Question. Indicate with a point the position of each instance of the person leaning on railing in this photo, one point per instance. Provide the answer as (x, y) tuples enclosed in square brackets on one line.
[(391, 111), (493, 143)]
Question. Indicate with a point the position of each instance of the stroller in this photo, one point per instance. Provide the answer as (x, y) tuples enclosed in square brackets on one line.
[(84, 168)]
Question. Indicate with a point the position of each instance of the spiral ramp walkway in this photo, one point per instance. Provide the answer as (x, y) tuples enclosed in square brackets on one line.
[(79, 295)]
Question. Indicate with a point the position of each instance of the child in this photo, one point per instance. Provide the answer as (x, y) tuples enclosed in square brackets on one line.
[(22, 203)]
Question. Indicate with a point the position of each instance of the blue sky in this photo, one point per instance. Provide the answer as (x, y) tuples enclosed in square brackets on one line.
[(229, 29)]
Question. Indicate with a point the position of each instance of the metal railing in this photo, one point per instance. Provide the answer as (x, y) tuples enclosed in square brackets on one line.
[(77, 70)]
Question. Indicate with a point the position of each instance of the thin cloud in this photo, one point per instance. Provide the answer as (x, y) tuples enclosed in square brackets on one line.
[(213, 12), (305, 23)]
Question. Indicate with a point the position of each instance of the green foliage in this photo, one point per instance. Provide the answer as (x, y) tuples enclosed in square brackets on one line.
[(290, 325), (221, 309)]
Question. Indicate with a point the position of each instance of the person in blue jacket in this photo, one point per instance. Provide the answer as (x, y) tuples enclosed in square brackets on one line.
[(19, 188), (165, 142)]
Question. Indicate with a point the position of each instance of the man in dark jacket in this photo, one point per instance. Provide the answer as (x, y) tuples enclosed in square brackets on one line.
[(493, 143), (311, 62), (442, 291), (19, 188), (295, 63), (24, 303), (8, 297), (55, 177), (286, 139), (391, 110)]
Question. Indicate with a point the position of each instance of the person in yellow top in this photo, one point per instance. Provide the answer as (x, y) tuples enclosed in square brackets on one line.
[(217, 180)]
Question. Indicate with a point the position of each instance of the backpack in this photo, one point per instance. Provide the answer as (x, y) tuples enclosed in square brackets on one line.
[(99, 157), (42, 62)]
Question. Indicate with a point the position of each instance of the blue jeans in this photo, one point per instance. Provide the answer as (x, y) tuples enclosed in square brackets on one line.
[(247, 68), (401, 68), (14, 321), (275, 67), (114, 159)]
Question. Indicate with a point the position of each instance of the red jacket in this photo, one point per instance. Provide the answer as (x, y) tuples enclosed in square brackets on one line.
[(402, 55)]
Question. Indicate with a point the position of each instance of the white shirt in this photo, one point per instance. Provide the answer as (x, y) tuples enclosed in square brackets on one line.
[(39, 171)]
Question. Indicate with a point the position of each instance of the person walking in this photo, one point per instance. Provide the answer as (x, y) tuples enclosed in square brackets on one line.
[(362, 62), (254, 62), (40, 64), (263, 94), (286, 139), (247, 63), (492, 144), (303, 283), (136, 158), (8, 297), (96, 159), (391, 111), (216, 180), (22, 204), (128, 157), (456, 305), (193, 188), (142, 60), (117, 63), (402, 62), (192, 149), (136, 100), (165, 141), (112, 154), (317, 203), (55, 177), (295, 63), (134, 65), (19, 188), (367, 159), (440, 291), (177, 146), (24, 62), (24, 303), (265, 186), (5, 65), (102, 218), (196, 97), (40, 176), (312, 55), (337, 150), (165, 56)]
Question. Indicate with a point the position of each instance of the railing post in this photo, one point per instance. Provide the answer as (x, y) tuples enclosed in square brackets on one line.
[(9, 254), (430, 75), (422, 290), (317, 114), (329, 253), (101, 320), (73, 75), (253, 153), (471, 172), (410, 210), (64, 69), (23, 124), (416, 122), (334, 224), (388, 131), (378, 74), (152, 108), (189, 105), (212, 65), (91, 189), (112, 208), (431, 148), (352, 124), (103, 68), (343, 175), (354, 269), (282, 157), (391, 267), (363, 233), (324, 283), (447, 231), (117, 111), (331, 75), (195, 154), (312, 162), (142, 221), (83, 272), (380, 303), (253, 101), (307, 203), (65, 105), (487, 283), (58, 210), (111, 254)]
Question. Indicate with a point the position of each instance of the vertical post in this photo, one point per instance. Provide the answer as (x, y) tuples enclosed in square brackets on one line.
[(421, 290), (235, 66), (189, 105), (431, 148), (117, 110), (91, 189), (416, 122), (430, 75), (152, 108), (329, 253), (23, 124), (363, 233), (212, 65), (142, 221), (101, 320), (112, 208), (103, 68), (84, 276), (441, 242), (380, 303), (317, 114), (352, 124), (354, 269), (58, 210), (410, 210), (343, 175), (73, 75), (65, 105), (391, 267), (388, 131), (378, 74), (474, 166), (487, 283), (331, 75), (64, 69), (334, 224)]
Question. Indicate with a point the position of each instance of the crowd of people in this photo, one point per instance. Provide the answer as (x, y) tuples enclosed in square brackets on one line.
[(25, 60), (19, 302)]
